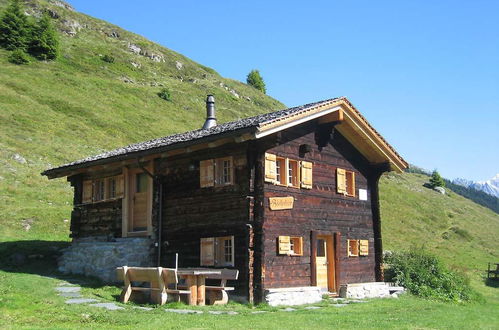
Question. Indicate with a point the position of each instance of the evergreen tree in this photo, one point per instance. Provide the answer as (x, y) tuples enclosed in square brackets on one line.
[(254, 79), (14, 27), (436, 180), (44, 43)]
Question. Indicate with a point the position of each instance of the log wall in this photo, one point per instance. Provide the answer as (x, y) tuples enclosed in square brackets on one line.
[(320, 210), (191, 213)]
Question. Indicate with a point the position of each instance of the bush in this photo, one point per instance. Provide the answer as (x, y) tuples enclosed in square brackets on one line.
[(165, 94), (255, 79), (108, 58), (19, 57), (425, 276)]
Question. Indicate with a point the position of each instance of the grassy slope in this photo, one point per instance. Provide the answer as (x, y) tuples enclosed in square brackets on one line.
[(51, 113), (464, 234), (55, 112)]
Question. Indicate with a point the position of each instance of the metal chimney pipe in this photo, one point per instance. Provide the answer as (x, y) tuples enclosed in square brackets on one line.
[(211, 119)]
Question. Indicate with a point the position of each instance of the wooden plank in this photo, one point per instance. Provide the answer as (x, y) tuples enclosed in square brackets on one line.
[(192, 287)]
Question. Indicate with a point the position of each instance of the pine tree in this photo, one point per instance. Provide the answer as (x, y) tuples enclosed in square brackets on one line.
[(44, 43), (255, 79), (436, 180), (14, 27)]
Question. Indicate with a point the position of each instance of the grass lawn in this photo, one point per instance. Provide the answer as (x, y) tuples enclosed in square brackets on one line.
[(28, 299)]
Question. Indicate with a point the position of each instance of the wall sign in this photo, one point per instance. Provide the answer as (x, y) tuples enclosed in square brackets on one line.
[(363, 194), (281, 203)]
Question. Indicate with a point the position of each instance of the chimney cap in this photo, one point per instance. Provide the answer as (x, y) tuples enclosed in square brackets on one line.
[(211, 119)]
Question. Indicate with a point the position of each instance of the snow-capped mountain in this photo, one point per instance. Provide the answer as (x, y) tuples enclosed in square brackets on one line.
[(490, 187)]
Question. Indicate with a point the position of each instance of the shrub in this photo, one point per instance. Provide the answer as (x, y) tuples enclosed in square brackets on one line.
[(19, 57), (425, 276), (255, 79), (165, 94), (108, 58)]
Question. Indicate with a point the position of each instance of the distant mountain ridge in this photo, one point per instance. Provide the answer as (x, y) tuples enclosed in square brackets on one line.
[(490, 187)]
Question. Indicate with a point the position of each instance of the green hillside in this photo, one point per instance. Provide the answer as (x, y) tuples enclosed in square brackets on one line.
[(79, 105)]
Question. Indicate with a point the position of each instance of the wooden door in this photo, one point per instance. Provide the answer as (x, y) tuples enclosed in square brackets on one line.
[(324, 263), (139, 201)]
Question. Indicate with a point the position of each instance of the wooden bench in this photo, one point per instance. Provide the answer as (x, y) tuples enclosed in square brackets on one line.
[(494, 272), (162, 283), (217, 294)]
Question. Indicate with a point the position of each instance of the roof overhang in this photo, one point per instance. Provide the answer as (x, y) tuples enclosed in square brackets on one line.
[(351, 124)]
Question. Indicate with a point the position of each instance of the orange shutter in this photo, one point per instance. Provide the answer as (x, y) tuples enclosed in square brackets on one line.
[(306, 175), (284, 244), (87, 192), (351, 184), (363, 247), (270, 168), (120, 186), (206, 173), (207, 251), (341, 181)]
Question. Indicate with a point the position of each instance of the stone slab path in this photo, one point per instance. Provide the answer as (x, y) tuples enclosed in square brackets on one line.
[(73, 294)]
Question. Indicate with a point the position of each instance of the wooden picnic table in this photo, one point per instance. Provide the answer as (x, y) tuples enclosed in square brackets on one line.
[(195, 278)]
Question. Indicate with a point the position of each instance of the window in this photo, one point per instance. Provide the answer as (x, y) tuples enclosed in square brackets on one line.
[(141, 182), (217, 251), (102, 189), (290, 245), (296, 246), (281, 171), (353, 247), (216, 172), (293, 175), (288, 172), (99, 190), (321, 248), (345, 182), (111, 188), (224, 173)]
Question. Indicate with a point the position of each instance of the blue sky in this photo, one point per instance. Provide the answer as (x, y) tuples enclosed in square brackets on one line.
[(424, 73)]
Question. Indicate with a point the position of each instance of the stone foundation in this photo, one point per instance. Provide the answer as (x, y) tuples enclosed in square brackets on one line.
[(293, 296), (369, 290), (97, 257)]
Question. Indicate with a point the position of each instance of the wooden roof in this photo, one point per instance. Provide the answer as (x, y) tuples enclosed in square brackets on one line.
[(351, 124)]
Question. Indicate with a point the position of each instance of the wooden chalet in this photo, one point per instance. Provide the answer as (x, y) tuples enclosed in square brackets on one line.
[(289, 198)]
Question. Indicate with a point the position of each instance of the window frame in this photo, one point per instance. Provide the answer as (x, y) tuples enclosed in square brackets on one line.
[(293, 173), (216, 172), (101, 189), (287, 245), (345, 182), (217, 255), (353, 247)]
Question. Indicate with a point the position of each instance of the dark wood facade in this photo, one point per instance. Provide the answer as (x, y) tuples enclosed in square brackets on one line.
[(183, 212)]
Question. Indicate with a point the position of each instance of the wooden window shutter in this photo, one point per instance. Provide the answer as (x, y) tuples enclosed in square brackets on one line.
[(207, 251), (270, 168), (120, 186), (306, 175), (206, 173), (341, 184), (363, 247), (283, 244), (87, 192)]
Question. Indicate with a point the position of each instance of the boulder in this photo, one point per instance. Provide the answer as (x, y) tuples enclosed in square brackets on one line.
[(440, 190)]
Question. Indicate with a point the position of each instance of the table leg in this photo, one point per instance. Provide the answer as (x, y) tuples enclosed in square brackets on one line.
[(193, 287), (201, 290)]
